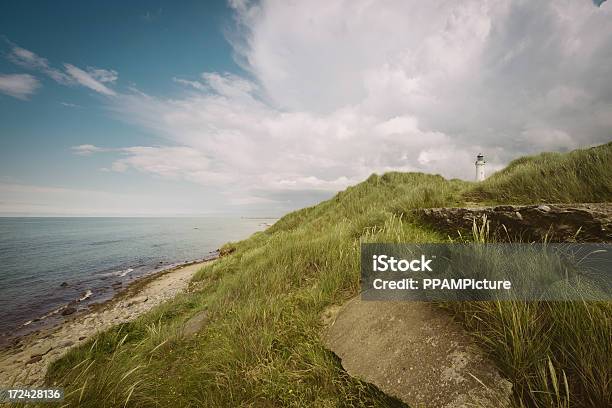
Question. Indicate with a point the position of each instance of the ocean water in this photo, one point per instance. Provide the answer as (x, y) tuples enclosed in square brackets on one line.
[(48, 263)]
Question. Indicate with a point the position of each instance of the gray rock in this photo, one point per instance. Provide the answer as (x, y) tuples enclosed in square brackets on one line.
[(68, 311), (195, 323), (417, 353), (41, 352), (138, 299), (34, 359), (554, 222)]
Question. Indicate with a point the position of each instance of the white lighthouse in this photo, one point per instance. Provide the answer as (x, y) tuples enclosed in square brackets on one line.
[(480, 167)]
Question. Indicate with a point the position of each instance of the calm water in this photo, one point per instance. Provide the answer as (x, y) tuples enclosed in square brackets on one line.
[(46, 263)]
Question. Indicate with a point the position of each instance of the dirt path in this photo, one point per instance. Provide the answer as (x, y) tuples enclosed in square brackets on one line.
[(26, 364), (415, 352)]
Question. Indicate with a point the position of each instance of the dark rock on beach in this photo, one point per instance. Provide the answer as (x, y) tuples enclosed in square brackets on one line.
[(68, 311), (34, 359)]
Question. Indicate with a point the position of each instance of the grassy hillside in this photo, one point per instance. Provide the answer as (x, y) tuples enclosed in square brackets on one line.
[(263, 304), (579, 176)]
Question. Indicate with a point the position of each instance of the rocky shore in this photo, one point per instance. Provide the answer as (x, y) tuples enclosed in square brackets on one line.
[(25, 362)]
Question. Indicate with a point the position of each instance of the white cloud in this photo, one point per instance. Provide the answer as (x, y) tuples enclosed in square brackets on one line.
[(337, 90), (30, 60), (194, 84), (20, 86), (70, 105), (103, 75), (167, 162), (90, 79), (88, 149), (25, 200)]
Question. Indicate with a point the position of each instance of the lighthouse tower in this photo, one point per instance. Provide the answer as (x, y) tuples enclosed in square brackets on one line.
[(480, 167)]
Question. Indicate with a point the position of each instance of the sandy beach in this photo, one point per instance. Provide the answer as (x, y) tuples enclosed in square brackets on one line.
[(25, 363)]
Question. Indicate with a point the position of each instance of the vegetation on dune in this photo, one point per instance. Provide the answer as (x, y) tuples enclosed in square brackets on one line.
[(579, 176), (260, 345)]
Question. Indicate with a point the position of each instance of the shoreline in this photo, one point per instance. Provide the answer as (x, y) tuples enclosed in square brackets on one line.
[(89, 301), (23, 362)]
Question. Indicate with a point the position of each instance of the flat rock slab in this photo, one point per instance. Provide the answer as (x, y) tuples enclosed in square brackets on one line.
[(195, 323), (417, 353), (581, 222)]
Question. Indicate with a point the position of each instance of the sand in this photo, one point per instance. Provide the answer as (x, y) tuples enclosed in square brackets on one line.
[(25, 364)]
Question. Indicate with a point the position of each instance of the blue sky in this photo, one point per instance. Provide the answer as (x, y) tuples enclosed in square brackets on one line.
[(149, 43), (257, 108)]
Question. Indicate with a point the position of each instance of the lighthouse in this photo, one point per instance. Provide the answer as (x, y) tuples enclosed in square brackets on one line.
[(480, 167)]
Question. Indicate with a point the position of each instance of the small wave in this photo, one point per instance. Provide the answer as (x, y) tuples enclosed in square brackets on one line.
[(85, 296), (43, 317), (125, 272), (120, 273), (114, 241)]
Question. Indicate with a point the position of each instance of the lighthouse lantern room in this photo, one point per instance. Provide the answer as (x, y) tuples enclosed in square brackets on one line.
[(480, 167)]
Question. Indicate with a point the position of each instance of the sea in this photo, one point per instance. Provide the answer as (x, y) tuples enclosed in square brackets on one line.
[(50, 264)]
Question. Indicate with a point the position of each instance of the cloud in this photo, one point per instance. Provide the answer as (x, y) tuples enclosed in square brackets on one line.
[(25, 200), (88, 149), (166, 162), (92, 79), (30, 60), (103, 75), (194, 84), (20, 86), (336, 91), (70, 105)]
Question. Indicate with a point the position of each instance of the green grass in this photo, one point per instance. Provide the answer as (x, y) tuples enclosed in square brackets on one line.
[(579, 176), (261, 345)]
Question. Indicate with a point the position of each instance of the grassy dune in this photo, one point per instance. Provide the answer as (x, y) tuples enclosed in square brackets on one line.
[(263, 303), (578, 176)]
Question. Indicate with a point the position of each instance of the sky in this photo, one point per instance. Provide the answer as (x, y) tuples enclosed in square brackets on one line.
[(256, 108)]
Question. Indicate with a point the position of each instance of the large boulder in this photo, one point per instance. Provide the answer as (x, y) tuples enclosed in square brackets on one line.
[(415, 352)]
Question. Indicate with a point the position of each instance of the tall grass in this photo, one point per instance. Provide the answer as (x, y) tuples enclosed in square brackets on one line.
[(556, 354), (579, 176), (261, 344)]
